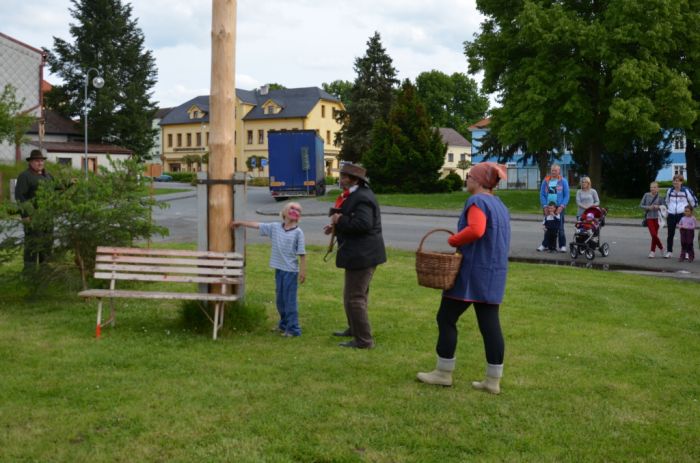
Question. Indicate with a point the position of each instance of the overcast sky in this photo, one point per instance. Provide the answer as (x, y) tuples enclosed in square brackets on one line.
[(297, 43)]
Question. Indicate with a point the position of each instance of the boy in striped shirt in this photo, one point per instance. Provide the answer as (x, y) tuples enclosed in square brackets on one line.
[(287, 243)]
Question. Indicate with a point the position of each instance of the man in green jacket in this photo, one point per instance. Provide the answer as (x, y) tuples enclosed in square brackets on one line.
[(37, 240)]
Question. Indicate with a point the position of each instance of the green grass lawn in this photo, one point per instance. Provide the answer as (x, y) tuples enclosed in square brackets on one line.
[(167, 191), (518, 201), (600, 366)]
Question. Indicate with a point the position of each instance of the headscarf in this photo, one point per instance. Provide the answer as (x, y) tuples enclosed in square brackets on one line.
[(488, 174)]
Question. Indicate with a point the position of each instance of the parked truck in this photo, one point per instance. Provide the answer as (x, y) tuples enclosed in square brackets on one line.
[(296, 164)]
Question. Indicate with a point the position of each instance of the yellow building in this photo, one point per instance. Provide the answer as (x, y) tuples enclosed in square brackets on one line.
[(185, 129)]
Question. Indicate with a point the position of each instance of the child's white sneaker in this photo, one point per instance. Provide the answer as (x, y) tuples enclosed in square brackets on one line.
[(652, 255), (668, 255)]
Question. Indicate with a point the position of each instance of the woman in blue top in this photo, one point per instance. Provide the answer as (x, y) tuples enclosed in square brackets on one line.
[(483, 238)]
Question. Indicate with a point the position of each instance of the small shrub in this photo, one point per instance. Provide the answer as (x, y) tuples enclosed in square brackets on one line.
[(184, 177), (259, 181), (330, 180), (454, 181)]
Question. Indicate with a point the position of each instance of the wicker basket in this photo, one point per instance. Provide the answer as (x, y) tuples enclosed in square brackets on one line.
[(437, 269)]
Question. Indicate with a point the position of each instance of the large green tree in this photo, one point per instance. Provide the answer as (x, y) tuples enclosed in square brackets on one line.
[(371, 97), (105, 37), (339, 89), (407, 151), (594, 73), (687, 46), (452, 101)]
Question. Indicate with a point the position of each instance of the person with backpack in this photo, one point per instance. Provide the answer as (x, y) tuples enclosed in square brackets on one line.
[(677, 198)]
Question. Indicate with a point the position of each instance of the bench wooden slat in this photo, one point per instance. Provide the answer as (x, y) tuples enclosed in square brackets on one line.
[(167, 252), (227, 263), (157, 295), (224, 269), (168, 270), (167, 278)]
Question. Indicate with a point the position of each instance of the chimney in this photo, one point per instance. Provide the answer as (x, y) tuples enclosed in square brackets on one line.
[(264, 89)]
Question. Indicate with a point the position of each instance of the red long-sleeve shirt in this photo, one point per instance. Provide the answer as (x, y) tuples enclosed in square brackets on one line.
[(476, 220)]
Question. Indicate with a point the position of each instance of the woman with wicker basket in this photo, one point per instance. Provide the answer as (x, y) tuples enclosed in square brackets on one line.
[(484, 239)]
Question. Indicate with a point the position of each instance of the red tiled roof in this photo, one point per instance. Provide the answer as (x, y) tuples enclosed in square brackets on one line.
[(78, 147), (45, 86), (481, 124)]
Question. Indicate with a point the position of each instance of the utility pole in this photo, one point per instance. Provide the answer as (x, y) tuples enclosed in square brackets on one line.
[(222, 101)]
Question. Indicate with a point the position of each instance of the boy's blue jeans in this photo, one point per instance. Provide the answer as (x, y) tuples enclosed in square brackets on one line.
[(286, 284)]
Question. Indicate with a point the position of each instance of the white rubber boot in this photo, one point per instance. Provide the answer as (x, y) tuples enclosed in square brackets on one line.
[(492, 382), (441, 375)]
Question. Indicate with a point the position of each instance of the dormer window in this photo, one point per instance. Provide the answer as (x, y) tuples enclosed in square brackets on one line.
[(271, 109)]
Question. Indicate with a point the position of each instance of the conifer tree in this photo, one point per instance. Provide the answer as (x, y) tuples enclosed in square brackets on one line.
[(370, 99), (108, 39), (407, 151)]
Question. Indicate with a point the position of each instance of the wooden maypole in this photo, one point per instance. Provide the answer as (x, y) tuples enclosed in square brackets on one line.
[(222, 102)]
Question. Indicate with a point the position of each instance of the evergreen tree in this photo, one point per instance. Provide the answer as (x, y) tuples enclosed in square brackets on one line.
[(370, 100), (407, 151), (108, 39)]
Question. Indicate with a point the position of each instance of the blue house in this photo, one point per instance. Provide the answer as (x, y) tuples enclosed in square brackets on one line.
[(524, 174)]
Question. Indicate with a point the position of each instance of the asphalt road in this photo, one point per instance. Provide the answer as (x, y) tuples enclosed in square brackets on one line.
[(404, 228)]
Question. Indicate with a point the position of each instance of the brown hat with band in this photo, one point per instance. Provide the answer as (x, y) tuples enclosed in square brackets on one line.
[(354, 170), (488, 174), (36, 155)]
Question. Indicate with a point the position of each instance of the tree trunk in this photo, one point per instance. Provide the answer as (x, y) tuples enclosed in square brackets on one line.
[(595, 166), (692, 153), (543, 163), (222, 123)]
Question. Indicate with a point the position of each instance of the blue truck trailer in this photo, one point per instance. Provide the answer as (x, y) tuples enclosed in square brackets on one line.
[(296, 164)]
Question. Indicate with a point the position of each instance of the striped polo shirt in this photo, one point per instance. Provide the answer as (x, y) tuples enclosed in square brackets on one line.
[(286, 246)]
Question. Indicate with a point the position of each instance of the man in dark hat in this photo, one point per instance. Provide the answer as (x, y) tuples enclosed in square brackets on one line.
[(37, 241), (358, 228)]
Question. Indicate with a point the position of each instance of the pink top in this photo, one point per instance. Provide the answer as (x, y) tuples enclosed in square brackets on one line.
[(688, 222)]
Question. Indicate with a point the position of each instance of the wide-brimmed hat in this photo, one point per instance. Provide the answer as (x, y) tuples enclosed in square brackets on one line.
[(36, 154), (354, 170)]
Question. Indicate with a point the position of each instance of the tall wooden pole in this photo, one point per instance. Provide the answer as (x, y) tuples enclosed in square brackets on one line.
[(222, 125)]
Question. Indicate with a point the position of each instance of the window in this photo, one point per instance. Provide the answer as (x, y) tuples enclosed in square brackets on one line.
[(64, 161), (250, 137), (323, 110), (199, 139), (189, 139), (261, 137), (207, 138), (179, 140), (174, 167), (328, 137), (170, 140), (450, 157), (463, 157), (679, 143), (679, 169), (270, 109)]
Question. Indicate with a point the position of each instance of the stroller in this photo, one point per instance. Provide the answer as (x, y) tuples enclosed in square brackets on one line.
[(587, 235)]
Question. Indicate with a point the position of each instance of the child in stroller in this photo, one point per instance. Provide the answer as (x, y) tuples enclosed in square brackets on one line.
[(587, 234)]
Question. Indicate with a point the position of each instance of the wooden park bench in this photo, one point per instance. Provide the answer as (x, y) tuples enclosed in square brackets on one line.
[(167, 266)]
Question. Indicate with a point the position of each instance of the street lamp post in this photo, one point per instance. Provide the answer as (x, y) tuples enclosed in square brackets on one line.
[(97, 82)]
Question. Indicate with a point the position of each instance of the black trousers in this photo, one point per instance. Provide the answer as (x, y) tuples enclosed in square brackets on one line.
[(489, 326), (671, 222), (37, 246)]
